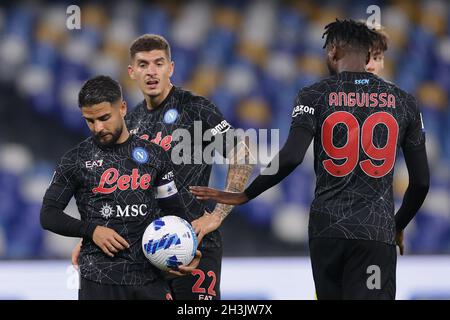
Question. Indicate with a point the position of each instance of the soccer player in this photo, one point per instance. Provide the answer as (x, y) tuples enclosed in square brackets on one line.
[(121, 183), (357, 121), (165, 109)]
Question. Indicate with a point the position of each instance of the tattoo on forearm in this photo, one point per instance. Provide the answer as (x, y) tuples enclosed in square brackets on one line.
[(238, 174)]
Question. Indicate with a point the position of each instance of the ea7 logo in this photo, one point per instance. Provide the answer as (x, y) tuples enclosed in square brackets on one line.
[(300, 109), (94, 164)]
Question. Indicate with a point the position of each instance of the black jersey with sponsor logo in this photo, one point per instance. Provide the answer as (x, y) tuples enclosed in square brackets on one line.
[(178, 125), (122, 187), (359, 121)]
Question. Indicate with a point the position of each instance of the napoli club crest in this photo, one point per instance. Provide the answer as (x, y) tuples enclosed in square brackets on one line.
[(170, 116), (140, 155)]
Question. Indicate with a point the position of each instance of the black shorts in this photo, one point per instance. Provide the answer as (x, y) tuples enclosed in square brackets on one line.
[(91, 290), (353, 269), (204, 282)]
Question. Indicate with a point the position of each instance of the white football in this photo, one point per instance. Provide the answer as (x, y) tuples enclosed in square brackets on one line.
[(169, 241)]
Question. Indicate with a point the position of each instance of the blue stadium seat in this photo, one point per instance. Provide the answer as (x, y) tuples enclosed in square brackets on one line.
[(154, 19), (431, 232), (299, 186), (25, 234), (9, 196), (259, 212), (19, 22), (218, 47), (226, 102), (185, 61)]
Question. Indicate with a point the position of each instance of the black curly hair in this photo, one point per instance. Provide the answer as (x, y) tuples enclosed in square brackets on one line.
[(349, 34)]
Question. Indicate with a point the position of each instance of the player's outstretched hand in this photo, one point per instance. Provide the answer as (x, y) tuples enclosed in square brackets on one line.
[(185, 270), (206, 193), (207, 223), (109, 240), (399, 241), (75, 254)]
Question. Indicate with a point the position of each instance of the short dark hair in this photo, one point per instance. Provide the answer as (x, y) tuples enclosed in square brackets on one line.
[(149, 42), (350, 34), (99, 89), (380, 41)]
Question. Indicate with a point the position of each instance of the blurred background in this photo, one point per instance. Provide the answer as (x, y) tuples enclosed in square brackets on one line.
[(250, 58)]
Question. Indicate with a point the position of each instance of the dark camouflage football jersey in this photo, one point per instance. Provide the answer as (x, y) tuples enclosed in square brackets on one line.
[(119, 188), (358, 121), (184, 112)]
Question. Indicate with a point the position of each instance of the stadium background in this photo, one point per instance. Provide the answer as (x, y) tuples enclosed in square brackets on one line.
[(250, 58)]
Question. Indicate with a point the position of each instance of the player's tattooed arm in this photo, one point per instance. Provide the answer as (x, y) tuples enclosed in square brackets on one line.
[(238, 174), (289, 157)]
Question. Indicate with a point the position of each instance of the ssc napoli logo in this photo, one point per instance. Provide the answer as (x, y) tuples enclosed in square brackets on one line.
[(140, 155), (170, 116)]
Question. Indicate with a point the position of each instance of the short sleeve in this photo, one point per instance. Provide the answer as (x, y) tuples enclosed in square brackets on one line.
[(213, 118), (165, 183), (167, 195), (215, 126), (304, 112)]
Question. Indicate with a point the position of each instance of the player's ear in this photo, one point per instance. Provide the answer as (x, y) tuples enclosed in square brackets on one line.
[(131, 72), (332, 52), (123, 109), (172, 66)]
